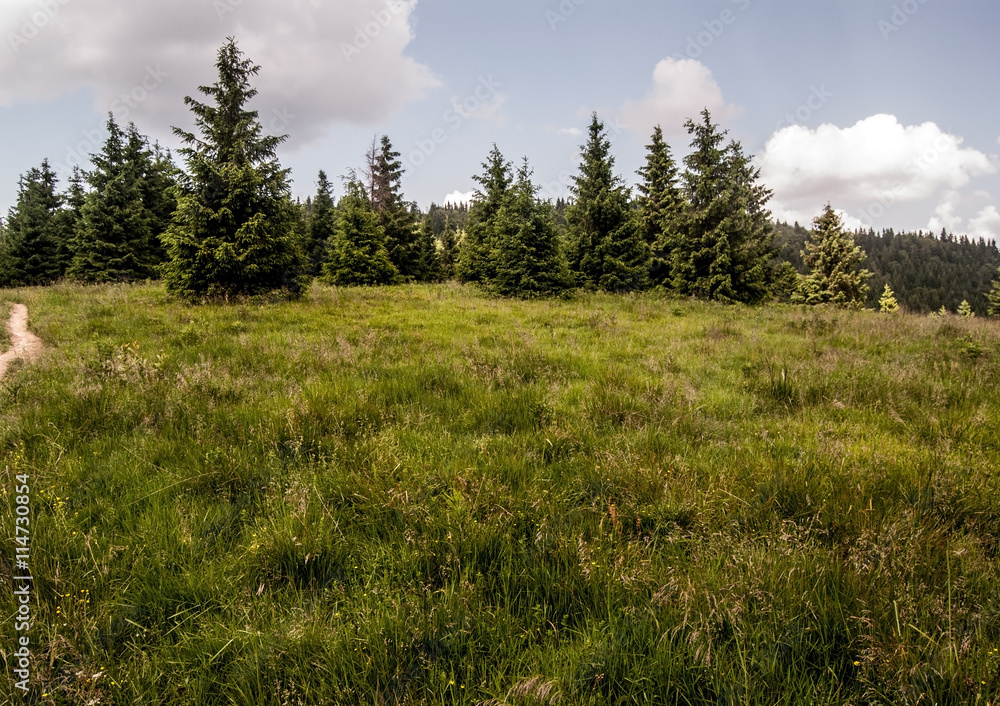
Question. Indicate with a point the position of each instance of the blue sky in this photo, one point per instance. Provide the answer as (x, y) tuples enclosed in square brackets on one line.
[(887, 109)]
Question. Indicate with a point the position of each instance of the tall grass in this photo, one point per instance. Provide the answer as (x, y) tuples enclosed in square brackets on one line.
[(419, 495)]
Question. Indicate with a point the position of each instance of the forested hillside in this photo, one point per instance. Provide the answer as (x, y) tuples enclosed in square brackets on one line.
[(925, 271)]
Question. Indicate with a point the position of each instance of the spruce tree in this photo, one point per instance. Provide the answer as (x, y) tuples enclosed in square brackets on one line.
[(71, 215), (661, 205), (834, 261), (607, 249), (428, 261), (993, 297), (449, 250), (477, 260), (34, 245), (322, 224), (158, 178), (114, 237), (530, 259), (394, 214), (887, 303), (965, 310), (357, 253), (233, 232), (724, 247)]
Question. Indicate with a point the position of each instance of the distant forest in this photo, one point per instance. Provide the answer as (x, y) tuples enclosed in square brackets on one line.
[(925, 271)]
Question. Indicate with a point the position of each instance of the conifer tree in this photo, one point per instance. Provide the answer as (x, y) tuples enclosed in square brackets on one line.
[(607, 250), (993, 297), (233, 232), (477, 261), (158, 178), (724, 248), (887, 304), (428, 261), (834, 261), (449, 250), (394, 214), (322, 224), (530, 259), (34, 242), (965, 310), (74, 199), (114, 237), (661, 205), (357, 255)]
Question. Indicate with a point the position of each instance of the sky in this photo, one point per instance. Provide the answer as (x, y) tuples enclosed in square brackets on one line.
[(887, 109)]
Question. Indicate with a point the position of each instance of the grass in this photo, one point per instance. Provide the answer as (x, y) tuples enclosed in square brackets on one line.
[(419, 495)]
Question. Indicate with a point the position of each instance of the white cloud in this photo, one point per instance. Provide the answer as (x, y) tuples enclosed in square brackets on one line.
[(321, 62), (945, 216), (867, 168), (986, 224), (459, 197), (572, 131), (681, 89)]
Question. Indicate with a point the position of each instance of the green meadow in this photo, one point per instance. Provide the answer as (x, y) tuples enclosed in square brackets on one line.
[(423, 495)]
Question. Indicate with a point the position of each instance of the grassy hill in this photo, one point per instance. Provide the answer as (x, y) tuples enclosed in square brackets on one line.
[(420, 495)]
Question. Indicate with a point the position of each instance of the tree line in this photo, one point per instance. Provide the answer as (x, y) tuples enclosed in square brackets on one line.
[(226, 224)]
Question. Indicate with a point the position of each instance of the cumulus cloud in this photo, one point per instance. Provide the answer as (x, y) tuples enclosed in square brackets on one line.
[(457, 198), (322, 62), (945, 216), (868, 168), (986, 223), (681, 89)]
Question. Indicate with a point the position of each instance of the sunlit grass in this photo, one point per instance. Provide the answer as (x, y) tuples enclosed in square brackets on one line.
[(420, 495)]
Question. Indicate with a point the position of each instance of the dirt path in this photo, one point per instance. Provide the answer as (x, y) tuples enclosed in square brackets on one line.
[(25, 344)]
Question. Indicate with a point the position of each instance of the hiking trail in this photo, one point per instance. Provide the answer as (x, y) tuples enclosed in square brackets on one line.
[(24, 344)]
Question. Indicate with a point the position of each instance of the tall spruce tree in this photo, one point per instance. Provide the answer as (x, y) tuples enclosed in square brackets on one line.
[(477, 260), (394, 214), (607, 248), (834, 262), (71, 214), (233, 232), (428, 263), (357, 255), (724, 247), (449, 250), (661, 205), (322, 224), (34, 244), (158, 180), (114, 237), (530, 258)]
